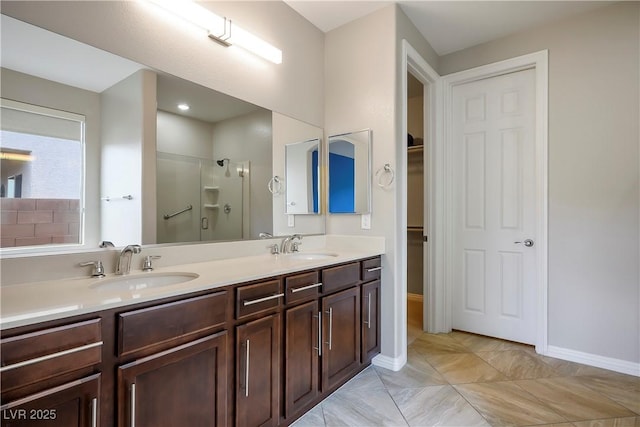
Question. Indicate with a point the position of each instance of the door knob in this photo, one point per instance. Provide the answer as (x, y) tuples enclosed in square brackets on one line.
[(528, 243)]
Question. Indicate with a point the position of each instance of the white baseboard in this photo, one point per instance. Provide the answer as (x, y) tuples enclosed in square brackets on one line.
[(392, 363), (617, 365), (415, 297)]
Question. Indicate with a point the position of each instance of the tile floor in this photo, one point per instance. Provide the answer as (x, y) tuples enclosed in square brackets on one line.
[(461, 379)]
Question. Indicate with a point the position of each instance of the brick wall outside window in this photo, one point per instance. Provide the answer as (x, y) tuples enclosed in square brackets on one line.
[(29, 222)]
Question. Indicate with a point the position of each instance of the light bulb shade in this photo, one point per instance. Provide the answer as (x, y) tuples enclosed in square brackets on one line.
[(220, 29)]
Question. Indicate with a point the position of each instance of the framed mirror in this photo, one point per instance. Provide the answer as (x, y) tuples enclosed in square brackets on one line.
[(302, 177), (350, 173)]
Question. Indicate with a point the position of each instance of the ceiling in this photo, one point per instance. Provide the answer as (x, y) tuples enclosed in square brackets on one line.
[(449, 26)]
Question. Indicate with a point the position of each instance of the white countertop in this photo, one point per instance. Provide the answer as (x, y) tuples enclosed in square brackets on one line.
[(29, 303)]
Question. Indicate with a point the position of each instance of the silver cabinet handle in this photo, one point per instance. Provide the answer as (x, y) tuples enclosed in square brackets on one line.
[(256, 301), (370, 270), (319, 348), (330, 313), (49, 356), (133, 405), (246, 373), (368, 322), (304, 288), (94, 412)]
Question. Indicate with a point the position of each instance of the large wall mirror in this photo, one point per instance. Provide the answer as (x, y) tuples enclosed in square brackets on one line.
[(165, 160), (350, 173)]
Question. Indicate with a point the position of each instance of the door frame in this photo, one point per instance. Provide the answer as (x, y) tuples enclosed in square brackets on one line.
[(539, 62), (413, 62)]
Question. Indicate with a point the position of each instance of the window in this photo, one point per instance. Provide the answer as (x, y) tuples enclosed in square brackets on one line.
[(41, 176)]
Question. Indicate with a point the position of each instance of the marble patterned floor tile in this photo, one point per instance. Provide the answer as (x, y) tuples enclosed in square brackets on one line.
[(517, 364), (361, 408), (368, 379), (464, 368), (610, 422), (428, 344), (566, 368), (506, 404), (436, 406), (573, 400), (417, 373), (313, 418), (624, 389), (477, 343)]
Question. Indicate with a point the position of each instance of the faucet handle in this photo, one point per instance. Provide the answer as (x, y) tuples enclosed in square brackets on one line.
[(275, 250), (147, 264), (98, 268), (295, 246)]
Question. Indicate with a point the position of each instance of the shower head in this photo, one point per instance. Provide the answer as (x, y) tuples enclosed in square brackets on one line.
[(221, 162)]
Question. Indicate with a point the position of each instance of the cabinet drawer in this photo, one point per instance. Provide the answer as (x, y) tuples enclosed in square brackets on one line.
[(37, 356), (302, 287), (251, 299), (371, 269), (340, 277), (165, 325)]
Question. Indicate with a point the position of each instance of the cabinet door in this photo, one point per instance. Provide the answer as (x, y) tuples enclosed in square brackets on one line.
[(74, 404), (302, 347), (370, 320), (183, 386), (341, 337), (258, 372)]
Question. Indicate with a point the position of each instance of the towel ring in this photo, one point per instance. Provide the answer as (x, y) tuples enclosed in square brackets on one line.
[(387, 171), (275, 185)]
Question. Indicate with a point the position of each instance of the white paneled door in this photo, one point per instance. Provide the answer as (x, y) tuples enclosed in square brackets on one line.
[(494, 251)]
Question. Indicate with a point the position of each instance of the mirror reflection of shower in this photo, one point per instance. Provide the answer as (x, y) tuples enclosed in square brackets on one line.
[(218, 191), (221, 164)]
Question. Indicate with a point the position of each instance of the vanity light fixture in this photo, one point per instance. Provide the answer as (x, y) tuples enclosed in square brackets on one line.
[(20, 157), (183, 107), (219, 29)]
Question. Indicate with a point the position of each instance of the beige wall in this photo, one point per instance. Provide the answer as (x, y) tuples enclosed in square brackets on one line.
[(594, 87), (362, 81)]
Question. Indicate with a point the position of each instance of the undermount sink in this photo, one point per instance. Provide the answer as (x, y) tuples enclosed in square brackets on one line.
[(142, 281), (309, 256)]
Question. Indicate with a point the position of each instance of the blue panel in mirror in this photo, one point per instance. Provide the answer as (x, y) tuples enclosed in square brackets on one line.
[(303, 177), (350, 173)]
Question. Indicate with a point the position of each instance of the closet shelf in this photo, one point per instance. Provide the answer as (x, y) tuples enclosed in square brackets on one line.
[(415, 149)]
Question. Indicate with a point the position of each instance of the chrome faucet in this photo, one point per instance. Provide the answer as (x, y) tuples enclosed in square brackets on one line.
[(124, 260), (288, 245)]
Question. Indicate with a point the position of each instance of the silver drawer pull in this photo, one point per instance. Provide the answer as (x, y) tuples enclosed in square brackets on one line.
[(304, 288), (49, 356), (259, 300), (94, 412), (371, 270), (133, 405), (246, 374)]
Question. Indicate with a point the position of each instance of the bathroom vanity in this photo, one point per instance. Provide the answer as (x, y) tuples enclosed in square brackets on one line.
[(210, 351)]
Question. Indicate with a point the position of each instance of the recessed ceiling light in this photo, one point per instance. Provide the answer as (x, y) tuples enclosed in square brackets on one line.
[(183, 107)]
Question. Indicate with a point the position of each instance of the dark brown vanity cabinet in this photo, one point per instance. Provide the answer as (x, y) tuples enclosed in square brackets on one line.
[(258, 350), (178, 375), (51, 376), (250, 354), (183, 386), (303, 346), (371, 289), (341, 337)]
